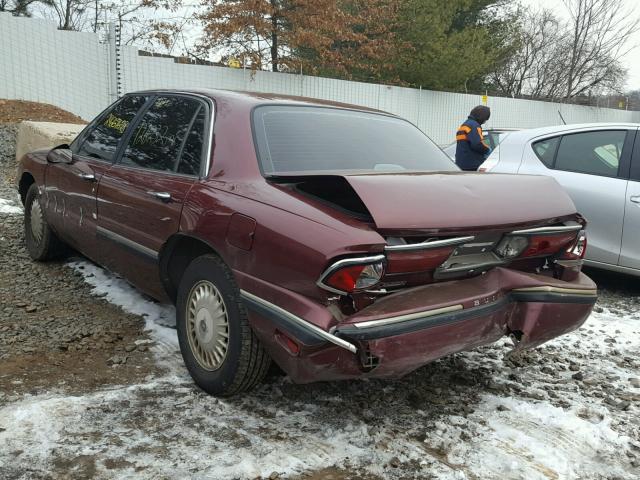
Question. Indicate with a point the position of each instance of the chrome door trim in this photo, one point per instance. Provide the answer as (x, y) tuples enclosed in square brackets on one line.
[(130, 244)]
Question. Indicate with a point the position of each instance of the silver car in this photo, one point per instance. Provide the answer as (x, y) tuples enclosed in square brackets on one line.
[(599, 167)]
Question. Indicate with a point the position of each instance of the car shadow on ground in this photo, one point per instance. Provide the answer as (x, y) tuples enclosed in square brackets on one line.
[(620, 283)]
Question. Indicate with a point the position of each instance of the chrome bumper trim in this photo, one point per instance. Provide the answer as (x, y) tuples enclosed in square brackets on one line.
[(550, 289), (458, 307), (407, 317), (303, 323)]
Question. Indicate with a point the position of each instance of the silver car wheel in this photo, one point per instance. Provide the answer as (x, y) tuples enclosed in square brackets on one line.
[(207, 325), (36, 221)]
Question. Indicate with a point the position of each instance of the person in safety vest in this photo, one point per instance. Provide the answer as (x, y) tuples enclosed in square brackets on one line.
[(471, 149)]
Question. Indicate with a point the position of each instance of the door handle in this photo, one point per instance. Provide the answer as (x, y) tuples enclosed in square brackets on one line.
[(89, 177), (164, 196), (635, 198)]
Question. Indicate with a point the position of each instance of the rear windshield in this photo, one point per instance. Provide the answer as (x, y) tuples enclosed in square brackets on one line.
[(292, 139)]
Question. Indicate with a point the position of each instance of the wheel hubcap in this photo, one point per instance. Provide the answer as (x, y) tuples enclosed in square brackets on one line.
[(37, 222), (207, 325)]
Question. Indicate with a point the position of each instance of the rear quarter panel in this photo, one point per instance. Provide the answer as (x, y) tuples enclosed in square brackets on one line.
[(510, 153), (290, 249)]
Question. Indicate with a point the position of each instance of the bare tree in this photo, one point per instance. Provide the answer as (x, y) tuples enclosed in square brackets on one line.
[(70, 14), (533, 68), (567, 59), (17, 7), (600, 34)]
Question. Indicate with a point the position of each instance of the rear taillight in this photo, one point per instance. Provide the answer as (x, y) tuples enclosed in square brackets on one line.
[(511, 246), (543, 245), (532, 243), (417, 261), (578, 249), (353, 274)]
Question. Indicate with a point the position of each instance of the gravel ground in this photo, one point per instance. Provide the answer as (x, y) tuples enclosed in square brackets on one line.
[(92, 386)]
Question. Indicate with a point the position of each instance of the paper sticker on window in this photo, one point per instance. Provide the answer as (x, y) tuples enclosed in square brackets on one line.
[(115, 123)]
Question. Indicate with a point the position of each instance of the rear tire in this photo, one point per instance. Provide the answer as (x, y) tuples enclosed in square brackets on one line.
[(42, 244), (220, 350)]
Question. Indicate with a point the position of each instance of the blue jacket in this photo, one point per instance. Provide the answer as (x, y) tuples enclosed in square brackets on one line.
[(471, 149)]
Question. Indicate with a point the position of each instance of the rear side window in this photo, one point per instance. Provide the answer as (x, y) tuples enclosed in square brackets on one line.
[(158, 138), (596, 153), (303, 139), (102, 141), (192, 151), (545, 150)]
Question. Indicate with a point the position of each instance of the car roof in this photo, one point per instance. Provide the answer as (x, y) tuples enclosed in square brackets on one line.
[(258, 98), (572, 127)]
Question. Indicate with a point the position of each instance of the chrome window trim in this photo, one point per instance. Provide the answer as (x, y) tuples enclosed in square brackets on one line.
[(317, 330), (564, 228), (428, 245), (209, 131), (343, 263)]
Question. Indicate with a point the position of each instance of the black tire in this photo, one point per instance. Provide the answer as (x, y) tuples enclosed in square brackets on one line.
[(246, 362), (44, 245)]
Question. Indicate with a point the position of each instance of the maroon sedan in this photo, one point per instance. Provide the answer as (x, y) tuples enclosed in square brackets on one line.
[(336, 240)]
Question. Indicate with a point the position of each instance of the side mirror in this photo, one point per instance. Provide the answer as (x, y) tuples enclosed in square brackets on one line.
[(60, 154)]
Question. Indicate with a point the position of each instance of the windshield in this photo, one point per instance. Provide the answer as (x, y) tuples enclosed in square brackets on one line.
[(292, 139)]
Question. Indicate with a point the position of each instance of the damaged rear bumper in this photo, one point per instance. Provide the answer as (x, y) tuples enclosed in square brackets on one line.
[(406, 330), (399, 325)]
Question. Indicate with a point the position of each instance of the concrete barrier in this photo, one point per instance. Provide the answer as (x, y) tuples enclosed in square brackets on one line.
[(35, 135)]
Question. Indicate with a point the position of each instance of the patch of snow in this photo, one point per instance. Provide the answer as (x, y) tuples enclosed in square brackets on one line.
[(169, 427), (159, 318), (538, 441), (225, 440), (7, 207)]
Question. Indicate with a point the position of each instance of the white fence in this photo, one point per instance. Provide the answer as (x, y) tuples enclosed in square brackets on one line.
[(78, 73)]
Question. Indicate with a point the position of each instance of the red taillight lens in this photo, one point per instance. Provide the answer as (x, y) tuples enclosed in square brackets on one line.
[(541, 245), (536, 245), (578, 249), (345, 279), (349, 275), (417, 261)]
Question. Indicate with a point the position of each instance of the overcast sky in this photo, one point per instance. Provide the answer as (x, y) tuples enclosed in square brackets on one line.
[(631, 60)]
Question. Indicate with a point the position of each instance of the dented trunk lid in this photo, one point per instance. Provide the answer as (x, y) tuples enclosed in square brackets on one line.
[(431, 202)]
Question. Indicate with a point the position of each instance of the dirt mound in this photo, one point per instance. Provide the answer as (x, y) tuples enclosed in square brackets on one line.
[(13, 111)]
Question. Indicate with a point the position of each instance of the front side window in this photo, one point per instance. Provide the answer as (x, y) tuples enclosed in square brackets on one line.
[(102, 141), (596, 153), (302, 139), (545, 150), (158, 138)]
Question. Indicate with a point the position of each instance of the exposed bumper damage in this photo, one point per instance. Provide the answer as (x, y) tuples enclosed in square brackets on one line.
[(408, 329)]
